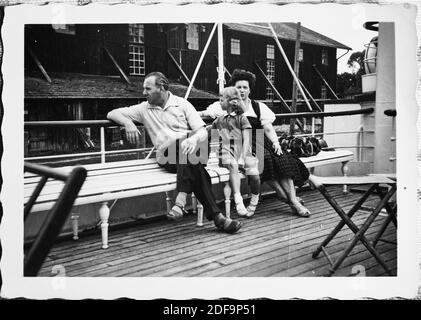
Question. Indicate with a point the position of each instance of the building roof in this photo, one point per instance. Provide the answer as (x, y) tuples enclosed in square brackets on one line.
[(288, 31), (83, 86)]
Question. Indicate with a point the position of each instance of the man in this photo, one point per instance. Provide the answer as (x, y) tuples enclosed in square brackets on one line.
[(174, 125)]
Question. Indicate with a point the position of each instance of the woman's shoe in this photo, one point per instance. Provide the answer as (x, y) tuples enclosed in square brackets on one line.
[(300, 201), (176, 213), (300, 211)]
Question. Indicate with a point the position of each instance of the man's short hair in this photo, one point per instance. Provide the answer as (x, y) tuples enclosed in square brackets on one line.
[(160, 79)]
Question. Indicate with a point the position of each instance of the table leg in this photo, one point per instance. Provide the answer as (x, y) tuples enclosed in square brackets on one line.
[(359, 234), (337, 208), (391, 216)]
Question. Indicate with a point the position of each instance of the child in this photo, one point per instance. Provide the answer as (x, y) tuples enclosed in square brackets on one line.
[(235, 150)]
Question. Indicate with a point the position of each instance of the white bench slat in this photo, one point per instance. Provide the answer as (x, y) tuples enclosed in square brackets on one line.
[(101, 171), (109, 172), (111, 184)]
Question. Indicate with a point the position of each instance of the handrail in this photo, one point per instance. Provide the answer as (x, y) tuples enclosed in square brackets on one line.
[(56, 216), (109, 123), (102, 124), (71, 123), (324, 114)]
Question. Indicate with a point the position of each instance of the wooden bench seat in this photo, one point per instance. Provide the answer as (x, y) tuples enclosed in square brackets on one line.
[(125, 179)]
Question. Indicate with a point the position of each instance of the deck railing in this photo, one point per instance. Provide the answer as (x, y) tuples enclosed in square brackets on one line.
[(56, 216), (102, 124)]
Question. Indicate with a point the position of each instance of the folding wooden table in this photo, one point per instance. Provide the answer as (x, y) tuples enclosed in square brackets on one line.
[(374, 181)]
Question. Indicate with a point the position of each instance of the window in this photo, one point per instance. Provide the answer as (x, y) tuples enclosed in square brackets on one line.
[(323, 92), (270, 51), (137, 59), (65, 28), (136, 33), (270, 72), (235, 46), (136, 50), (192, 36), (324, 57)]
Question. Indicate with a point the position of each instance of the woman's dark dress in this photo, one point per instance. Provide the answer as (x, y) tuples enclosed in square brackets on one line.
[(276, 166)]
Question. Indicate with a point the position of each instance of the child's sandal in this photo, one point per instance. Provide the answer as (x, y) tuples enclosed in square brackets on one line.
[(251, 209), (241, 210)]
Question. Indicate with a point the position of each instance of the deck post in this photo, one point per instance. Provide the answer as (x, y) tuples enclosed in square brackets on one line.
[(227, 194), (104, 213), (221, 67), (75, 224), (294, 83)]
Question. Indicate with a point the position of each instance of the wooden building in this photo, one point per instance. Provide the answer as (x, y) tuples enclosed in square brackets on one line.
[(83, 71)]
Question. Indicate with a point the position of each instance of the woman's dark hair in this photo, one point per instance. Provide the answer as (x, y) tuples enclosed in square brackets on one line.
[(239, 75)]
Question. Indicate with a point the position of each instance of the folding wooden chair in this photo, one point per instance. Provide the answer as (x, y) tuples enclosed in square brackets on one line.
[(374, 182)]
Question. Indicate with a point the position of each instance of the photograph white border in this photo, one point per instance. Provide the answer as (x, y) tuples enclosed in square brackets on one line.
[(405, 284)]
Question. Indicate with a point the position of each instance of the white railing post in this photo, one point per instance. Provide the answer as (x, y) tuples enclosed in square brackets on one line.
[(313, 125), (360, 143), (102, 142)]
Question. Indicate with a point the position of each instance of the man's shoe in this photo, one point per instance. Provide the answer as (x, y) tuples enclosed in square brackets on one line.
[(227, 225)]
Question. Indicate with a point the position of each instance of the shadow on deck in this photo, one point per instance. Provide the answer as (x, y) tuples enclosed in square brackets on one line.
[(271, 244)]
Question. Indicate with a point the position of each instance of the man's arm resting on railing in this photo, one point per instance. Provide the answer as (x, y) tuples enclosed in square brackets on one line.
[(120, 117)]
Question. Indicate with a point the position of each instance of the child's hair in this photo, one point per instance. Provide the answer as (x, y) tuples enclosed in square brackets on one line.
[(230, 92)]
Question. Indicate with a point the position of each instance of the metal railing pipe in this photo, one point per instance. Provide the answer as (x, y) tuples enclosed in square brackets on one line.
[(323, 114), (55, 218)]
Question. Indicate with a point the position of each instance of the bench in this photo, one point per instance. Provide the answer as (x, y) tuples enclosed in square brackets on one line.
[(125, 179)]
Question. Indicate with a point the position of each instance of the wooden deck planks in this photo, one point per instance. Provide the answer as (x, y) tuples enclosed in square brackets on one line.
[(272, 243), (190, 254), (151, 239)]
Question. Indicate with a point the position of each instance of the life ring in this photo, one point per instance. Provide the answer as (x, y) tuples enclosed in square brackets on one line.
[(370, 56)]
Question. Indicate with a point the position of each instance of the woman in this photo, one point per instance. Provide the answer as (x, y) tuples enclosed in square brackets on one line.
[(282, 171)]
